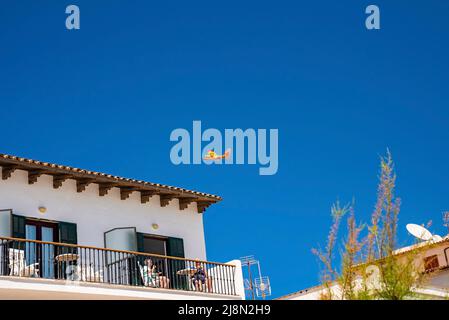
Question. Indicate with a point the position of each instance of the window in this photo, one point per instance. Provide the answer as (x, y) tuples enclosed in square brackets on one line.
[(162, 245), (155, 245), (431, 263)]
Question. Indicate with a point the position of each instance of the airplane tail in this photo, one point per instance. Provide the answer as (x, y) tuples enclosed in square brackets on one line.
[(227, 153)]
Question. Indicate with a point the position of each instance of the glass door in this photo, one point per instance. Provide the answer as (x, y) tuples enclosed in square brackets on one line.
[(48, 252), (43, 254), (30, 247)]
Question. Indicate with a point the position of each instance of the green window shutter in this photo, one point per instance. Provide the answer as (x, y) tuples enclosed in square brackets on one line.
[(67, 233), (18, 226), (140, 241), (175, 247)]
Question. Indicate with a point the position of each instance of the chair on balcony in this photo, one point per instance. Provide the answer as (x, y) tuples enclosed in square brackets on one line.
[(18, 265), (88, 274)]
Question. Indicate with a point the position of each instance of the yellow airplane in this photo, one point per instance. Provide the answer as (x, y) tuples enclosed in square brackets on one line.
[(212, 155)]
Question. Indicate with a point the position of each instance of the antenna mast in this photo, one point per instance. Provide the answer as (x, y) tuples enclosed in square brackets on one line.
[(446, 220), (260, 287)]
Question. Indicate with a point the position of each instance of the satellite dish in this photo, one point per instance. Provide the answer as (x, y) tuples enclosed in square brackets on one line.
[(419, 232), (436, 238)]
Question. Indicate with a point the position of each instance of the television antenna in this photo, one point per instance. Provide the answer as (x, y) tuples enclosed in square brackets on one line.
[(446, 220), (422, 233), (260, 287), (263, 287)]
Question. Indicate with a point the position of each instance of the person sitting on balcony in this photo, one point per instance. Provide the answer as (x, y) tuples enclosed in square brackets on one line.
[(153, 276), (200, 278)]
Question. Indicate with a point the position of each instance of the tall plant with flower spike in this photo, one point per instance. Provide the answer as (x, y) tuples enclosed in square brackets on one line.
[(381, 238), (326, 257), (396, 278)]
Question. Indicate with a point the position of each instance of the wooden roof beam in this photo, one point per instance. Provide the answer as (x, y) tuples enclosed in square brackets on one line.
[(145, 195), (184, 203), (125, 192), (82, 184), (103, 188), (58, 179), (166, 198), (7, 171), (202, 206), (33, 175)]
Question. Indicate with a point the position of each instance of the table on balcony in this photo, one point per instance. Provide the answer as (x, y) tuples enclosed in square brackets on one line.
[(68, 258), (186, 272)]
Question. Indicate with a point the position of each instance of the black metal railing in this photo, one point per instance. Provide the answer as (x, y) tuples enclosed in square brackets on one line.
[(49, 260)]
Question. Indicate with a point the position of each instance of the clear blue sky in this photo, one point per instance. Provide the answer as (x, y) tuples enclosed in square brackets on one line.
[(106, 98)]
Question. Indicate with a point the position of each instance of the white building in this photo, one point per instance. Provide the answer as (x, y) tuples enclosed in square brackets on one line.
[(77, 234), (431, 259)]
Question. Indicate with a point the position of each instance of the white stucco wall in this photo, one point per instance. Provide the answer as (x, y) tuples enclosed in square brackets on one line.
[(94, 214), (239, 279)]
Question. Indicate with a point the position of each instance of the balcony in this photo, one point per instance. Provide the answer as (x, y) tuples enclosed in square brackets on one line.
[(83, 265)]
